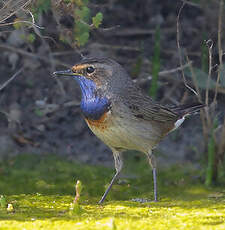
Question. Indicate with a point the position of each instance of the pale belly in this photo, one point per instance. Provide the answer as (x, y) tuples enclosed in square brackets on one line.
[(125, 133)]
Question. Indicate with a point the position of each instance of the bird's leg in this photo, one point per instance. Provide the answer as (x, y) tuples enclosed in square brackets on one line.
[(152, 162), (118, 166)]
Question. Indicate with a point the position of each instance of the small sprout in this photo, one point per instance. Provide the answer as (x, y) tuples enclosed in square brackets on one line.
[(3, 202), (78, 191), (10, 208), (97, 20), (75, 207)]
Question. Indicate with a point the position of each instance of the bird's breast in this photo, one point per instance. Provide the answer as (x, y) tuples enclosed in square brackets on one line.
[(101, 124)]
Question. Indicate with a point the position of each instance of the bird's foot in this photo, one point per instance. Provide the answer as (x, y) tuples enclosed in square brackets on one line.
[(143, 200)]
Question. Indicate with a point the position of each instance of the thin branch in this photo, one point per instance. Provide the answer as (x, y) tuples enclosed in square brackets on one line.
[(109, 28), (191, 3), (10, 79), (220, 50), (92, 26), (11, 7), (209, 44), (193, 75), (32, 16), (179, 49), (162, 73), (31, 55), (202, 112), (26, 22), (207, 115), (180, 68)]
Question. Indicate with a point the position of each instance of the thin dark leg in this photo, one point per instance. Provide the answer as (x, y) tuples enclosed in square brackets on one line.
[(118, 166), (155, 183), (108, 189), (152, 162)]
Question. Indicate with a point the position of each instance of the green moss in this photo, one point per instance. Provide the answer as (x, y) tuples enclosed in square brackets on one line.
[(41, 190)]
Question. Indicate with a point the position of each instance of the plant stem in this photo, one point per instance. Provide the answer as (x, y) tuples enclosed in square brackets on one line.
[(155, 64)]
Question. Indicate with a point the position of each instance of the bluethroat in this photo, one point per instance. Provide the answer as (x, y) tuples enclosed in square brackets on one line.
[(119, 114)]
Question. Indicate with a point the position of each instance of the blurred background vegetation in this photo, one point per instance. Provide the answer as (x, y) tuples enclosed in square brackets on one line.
[(167, 48)]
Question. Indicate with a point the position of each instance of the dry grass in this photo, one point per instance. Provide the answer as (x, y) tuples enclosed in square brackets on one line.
[(214, 143)]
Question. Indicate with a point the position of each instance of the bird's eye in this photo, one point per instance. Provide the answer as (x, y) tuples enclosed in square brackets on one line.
[(90, 69)]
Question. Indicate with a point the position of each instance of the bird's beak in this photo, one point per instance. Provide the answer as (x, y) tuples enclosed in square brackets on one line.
[(68, 72)]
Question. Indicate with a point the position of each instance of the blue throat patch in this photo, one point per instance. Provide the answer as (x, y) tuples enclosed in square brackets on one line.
[(92, 105)]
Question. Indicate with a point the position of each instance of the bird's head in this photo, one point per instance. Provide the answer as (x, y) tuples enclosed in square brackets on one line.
[(101, 73), (100, 80)]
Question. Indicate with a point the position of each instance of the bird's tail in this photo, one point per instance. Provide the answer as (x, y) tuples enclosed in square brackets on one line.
[(188, 109)]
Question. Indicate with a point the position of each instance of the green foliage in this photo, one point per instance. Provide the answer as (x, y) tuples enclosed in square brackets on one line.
[(82, 17), (81, 38), (82, 13), (97, 20), (155, 64), (41, 6), (80, 34)]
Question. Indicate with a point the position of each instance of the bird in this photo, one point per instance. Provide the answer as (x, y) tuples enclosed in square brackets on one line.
[(120, 114)]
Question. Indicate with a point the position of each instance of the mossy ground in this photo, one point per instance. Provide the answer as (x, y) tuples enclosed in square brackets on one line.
[(41, 189)]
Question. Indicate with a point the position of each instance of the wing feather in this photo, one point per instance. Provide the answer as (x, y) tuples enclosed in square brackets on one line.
[(144, 107)]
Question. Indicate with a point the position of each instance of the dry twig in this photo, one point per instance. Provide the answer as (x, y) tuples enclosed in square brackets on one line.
[(11, 7), (10, 79), (220, 50), (162, 73), (32, 55), (180, 68), (179, 49), (209, 44)]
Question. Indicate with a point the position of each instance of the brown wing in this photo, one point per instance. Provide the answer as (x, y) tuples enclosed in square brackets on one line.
[(162, 118), (144, 107), (188, 109)]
